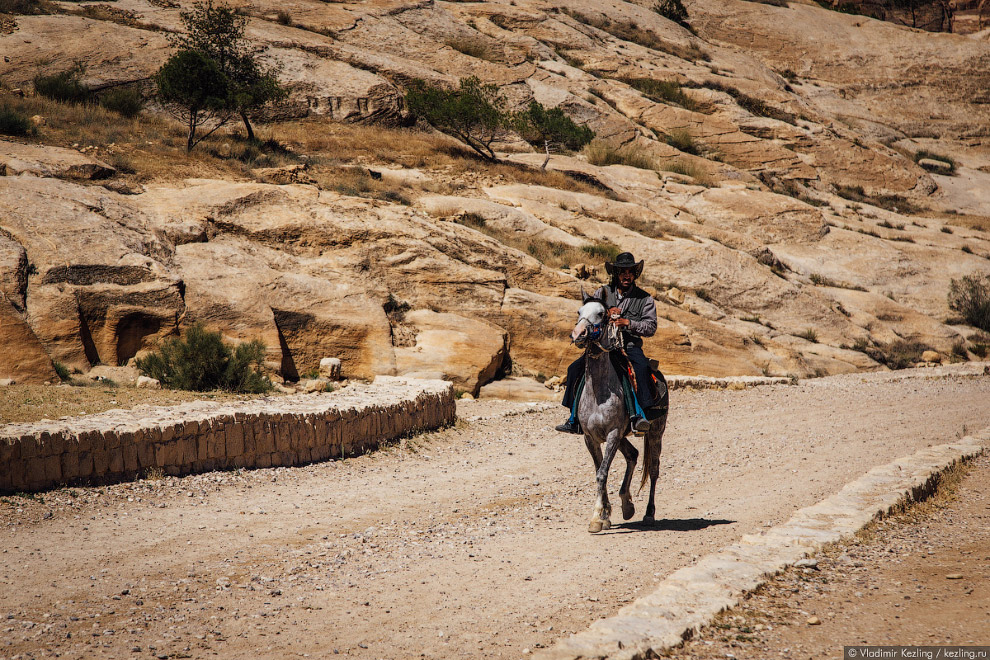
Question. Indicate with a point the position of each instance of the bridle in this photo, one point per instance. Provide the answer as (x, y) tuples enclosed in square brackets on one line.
[(596, 333)]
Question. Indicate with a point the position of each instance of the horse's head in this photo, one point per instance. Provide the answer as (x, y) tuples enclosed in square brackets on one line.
[(591, 322)]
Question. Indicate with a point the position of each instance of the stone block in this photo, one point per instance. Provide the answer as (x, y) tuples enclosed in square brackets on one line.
[(202, 447), (70, 466), (36, 472), (235, 439), (188, 451), (10, 451), (146, 454), (44, 443), (171, 431), (29, 447), (265, 460), (85, 464), (53, 470), (216, 444), (243, 461), (250, 447), (330, 368), (101, 463), (170, 452), (131, 463), (111, 439), (264, 439), (125, 438), (116, 460), (18, 476), (84, 440)]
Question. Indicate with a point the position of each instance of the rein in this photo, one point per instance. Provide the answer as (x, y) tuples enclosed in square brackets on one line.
[(611, 331)]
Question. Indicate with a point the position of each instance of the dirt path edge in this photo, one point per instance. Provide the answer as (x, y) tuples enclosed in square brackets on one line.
[(690, 597)]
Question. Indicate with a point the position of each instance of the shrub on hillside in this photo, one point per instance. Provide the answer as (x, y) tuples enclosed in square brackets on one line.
[(65, 86), (201, 361), (673, 10), (126, 101), (13, 123), (970, 296)]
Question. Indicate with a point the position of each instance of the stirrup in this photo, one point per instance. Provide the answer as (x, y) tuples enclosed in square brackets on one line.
[(640, 425), (569, 427)]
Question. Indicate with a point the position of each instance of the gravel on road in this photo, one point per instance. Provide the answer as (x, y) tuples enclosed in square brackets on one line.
[(470, 542)]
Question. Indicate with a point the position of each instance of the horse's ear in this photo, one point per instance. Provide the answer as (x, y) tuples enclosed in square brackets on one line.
[(584, 296)]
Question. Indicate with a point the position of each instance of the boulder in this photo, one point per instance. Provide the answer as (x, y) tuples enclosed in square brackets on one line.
[(17, 158), (518, 388), (467, 352), (143, 382), (330, 368), (931, 356)]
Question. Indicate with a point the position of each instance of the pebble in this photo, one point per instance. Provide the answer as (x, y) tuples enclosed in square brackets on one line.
[(954, 576), (814, 621), (806, 563)]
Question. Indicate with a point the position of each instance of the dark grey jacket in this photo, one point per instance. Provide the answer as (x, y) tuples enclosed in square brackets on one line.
[(637, 306)]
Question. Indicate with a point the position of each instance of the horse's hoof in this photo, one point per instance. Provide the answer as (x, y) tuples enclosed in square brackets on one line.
[(628, 509), (595, 526), (649, 519)]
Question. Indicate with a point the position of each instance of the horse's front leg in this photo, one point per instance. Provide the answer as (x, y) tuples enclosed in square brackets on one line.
[(631, 454), (603, 510)]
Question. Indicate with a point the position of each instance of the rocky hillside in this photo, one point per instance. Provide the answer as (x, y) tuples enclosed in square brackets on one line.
[(770, 184)]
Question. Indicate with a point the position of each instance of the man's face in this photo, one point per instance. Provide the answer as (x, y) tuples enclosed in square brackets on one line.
[(626, 277)]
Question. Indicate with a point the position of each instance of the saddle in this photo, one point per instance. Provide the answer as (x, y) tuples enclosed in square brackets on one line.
[(657, 385)]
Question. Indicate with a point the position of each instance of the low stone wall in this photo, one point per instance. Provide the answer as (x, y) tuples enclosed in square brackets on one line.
[(119, 445), (729, 383)]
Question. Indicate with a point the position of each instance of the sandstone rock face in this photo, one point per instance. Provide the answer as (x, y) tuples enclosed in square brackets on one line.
[(101, 291), (469, 351), (17, 158), (22, 357), (761, 266)]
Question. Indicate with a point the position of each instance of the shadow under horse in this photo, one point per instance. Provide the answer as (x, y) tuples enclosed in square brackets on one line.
[(604, 418)]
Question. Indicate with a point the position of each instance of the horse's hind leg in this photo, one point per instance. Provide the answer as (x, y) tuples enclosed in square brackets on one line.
[(655, 439), (603, 510), (631, 454)]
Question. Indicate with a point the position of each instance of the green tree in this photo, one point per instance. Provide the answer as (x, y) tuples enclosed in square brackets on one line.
[(218, 32), (474, 113), (194, 89), (551, 129)]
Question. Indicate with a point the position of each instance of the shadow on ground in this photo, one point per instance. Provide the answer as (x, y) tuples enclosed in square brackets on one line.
[(668, 525)]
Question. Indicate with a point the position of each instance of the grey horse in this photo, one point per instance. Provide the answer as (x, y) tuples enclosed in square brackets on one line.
[(604, 419)]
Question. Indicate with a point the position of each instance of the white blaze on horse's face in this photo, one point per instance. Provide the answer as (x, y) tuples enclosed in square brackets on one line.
[(590, 314)]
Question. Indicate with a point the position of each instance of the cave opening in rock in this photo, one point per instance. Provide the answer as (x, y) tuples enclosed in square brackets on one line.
[(131, 333)]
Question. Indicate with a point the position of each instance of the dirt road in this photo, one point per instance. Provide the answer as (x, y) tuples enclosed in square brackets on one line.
[(467, 543)]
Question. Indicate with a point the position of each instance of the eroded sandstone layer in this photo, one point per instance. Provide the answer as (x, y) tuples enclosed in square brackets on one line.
[(786, 227)]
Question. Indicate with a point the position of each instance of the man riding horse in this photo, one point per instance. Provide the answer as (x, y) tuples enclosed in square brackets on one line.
[(634, 312)]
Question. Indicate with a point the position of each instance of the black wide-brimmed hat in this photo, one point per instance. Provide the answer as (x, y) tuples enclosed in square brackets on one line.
[(624, 260)]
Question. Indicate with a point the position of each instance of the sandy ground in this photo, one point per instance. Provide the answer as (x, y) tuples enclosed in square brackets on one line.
[(466, 543), (921, 578)]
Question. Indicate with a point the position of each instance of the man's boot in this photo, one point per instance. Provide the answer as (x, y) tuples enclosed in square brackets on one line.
[(570, 426), (640, 425)]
